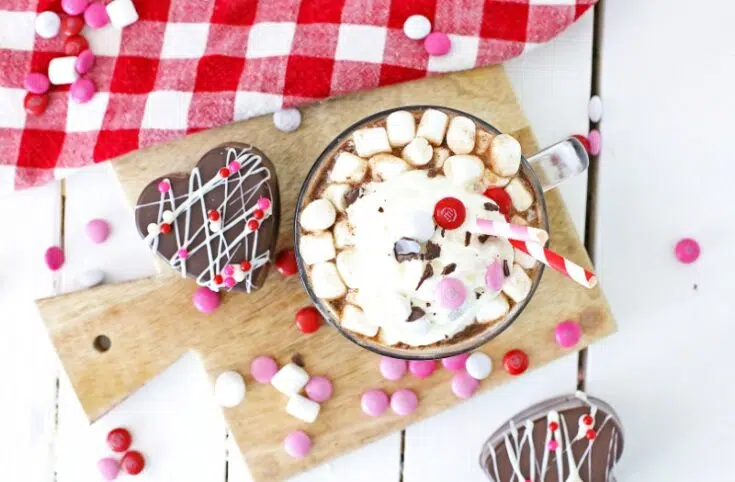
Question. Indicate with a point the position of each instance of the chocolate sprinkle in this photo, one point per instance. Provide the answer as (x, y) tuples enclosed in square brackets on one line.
[(506, 268), (428, 273), (352, 195), (491, 207), (297, 359), (443, 231), (483, 237), (467, 238), (478, 294), (416, 314), (433, 250), (449, 269), (380, 209)]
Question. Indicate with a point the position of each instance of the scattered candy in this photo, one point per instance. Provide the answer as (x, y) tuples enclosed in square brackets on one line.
[(82, 90), (308, 319), (96, 15), (74, 7), (515, 362), (687, 250), (119, 440), (36, 83), (464, 386), (71, 25), (451, 293), (287, 120), (416, 27), (422, 368), (302, 408), (297, 444), (47, 24), (109, 468), (35, 104), (392, 368), (206, 300), (374, 403), (90, 278), (62, 70), (437, 43), (479, 365), (449, 213), (290, 379), (84, 62), (456, 363), (594, 109), (583, 140), (97, 230), (552, 445), (501, 198), (319, 389), (286, 262), (75, 45), (229, 389), (133, 462), (122, 13), (595, 142), (263, 368), (567, 333), (54, 258), (404, 402)]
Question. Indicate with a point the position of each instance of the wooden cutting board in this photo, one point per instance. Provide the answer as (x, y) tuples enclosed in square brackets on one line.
[(151, 322)]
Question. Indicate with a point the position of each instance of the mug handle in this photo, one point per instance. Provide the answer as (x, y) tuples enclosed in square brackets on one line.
[(559, 162)]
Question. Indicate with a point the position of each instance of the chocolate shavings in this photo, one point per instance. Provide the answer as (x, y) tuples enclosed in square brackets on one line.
[(433, 250), (491, 207), (428, 273), (506, 268), (380, 209), (352, 195), (482, 238), (297, 359), (406, 249), (449, 269), (467, 238), (416, 314)]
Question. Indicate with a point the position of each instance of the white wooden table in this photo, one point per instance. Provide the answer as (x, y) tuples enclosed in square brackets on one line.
[(663, 175)]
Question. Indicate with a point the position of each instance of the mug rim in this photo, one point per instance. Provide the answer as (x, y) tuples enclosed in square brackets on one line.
[(421, 352)]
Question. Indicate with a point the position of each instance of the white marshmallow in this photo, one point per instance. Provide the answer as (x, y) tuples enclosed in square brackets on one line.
[(90, 278), (492, 307), (441, 154), (290, 379), (122, 13), (505, 155), (348, 266), (326, 281), (287, 120), (463, 169), (229, 389), (490, 179), (479, 365), (520, 195), (401, 127), (302, 408), (343, 235), (348, 168), (385, 166), (524, 260), (318, 215), (335, 193), (316, 248), (461, 135), (47, 24), (354, 319), (62, 70), (370, 141), (418, 152), (517, 285), (482, 141), (433, 125)]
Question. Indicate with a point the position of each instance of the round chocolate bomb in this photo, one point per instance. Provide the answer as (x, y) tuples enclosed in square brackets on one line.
[(219, 223)]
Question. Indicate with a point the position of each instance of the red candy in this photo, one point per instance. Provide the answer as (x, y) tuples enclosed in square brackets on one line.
[(35, 104), (501, 198), (71, 26), (286, 262), (218, 279), (587, 420), (515, 362), (245, 265), (165, 228), (258, 214), (553, 426), (308, 319), (119, 440), (449, 213), (253, 225), (213, 215), (224, 172), (75, 45), (591, 434), (132, 462)]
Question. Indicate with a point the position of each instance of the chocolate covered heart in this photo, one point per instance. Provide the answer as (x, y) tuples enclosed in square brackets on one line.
[(217, 224)]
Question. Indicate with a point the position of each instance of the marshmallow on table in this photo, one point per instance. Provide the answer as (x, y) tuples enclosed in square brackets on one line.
[(518, 284), (343, 236), (316, 248), (318, 215), (441, 154), (370, 141), (290, 379), (348, 267), (385, 166), (461, 135), (433, 125), (463, 169), (348, 168), (326, 281), (418, 152), (122, 13), (492, 307), (482, 141), (520, 195), (490, 179), (505, 155), (302, 408), (62, 70), (335, 193), (401, 127), (354, 319)]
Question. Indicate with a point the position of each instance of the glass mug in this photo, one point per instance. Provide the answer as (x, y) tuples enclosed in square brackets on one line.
[(544, 170)]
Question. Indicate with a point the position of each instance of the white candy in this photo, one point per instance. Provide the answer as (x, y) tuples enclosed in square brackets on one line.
[(90, 278), (62, 70), (290, 379), (229, 389), (479, 365), (463, 169), (215, 226), (520, 196), (418, 152), (441, 154), (370, 141), (122, 13), (354, 319), (490, 179), (461, 135), (416, 27), (517, 285), (48, 24), (505, 155), (483, 141), (318, 215), (349, 267), (348, 168), (153, 229), (433, 125), (401, 127), (595, 108), (524, 260), (492, 307), (343, 236), (167, 216), (316, 248), (326, 281), (302, 408), (385, 166), (335, 193), (287, 120)]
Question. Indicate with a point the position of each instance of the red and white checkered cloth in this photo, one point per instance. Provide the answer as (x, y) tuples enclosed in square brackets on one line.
[(188, 65)]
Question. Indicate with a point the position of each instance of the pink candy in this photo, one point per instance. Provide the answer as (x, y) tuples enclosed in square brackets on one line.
[(205, 300), (392, 368), (183, 253), (422, 368), (230, 282), (164, 186), (455, 363), (297, 444), (463, 385), (552, 445), (74, 7), (687, 250), (54, 258), (109, 468), (263, 368), (319, 389), (96, 15), (437, 43), (595, 140), (229, 270), (97, 230), (264, 203), (82, 90), (567, 333), (234, 166), (84, 62), (374, 402), (404, 402), (451, 293), (36, 83)]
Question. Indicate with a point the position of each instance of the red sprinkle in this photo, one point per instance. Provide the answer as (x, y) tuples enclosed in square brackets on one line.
[(253, 225), (591, 434), (245, 265), (35, 104), (75, 45), (587, 420), (308, 319), (224, 172), (132, 462), (165, 228), (585, 142), (286, 262), (515, 362), (218, 280), (501, 198), (258, 214), (553, 426), (449, 213), (71, 25), (119, 440)]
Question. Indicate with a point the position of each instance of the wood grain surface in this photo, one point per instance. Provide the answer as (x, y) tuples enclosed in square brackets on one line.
[(152, 322)]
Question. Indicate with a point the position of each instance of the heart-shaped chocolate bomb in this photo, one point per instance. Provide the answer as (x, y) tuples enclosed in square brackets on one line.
[(219, 223)]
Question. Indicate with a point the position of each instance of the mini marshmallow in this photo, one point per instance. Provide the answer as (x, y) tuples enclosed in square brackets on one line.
[(520, 195), (316, 248), (326, 281), (492, 307), (349, 267), (517, 285), (290, 379), (62, 70), (401, 127), (348, 168), (354, 319), (335, 193), (418, 152), (370, 141), (482, 141), (385, 166), (318, 215), (433, 125), (461, 135), (463, 169), (302, 408), (505, 155), (490, 179), (122, 13), (343, 236), (524, 260), (441, 154)]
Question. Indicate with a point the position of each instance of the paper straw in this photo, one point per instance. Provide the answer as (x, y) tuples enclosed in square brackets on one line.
[(512, 231), (558, 262)]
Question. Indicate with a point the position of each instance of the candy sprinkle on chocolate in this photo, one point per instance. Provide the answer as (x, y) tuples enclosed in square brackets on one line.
[(416, 314), (449, 269), (428, 273), (506, 268), (433, 250)]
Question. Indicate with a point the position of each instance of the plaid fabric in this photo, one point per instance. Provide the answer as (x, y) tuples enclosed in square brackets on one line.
[(188, 65)]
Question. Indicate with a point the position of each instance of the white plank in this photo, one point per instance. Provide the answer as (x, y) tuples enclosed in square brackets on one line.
[(666, 173)]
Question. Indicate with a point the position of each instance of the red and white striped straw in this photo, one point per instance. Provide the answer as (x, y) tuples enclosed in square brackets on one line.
[(512, 231), (558, 262)]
